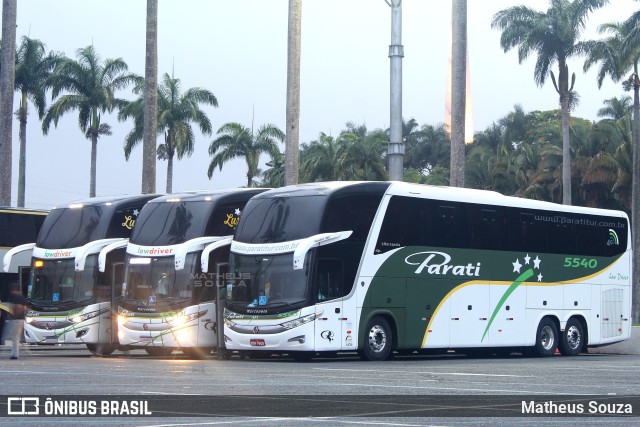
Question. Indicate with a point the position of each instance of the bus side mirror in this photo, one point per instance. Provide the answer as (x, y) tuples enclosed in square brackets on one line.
[(311, 242)]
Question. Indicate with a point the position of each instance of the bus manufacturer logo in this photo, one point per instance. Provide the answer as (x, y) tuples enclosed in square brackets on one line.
[(256, 330), (327, 335)]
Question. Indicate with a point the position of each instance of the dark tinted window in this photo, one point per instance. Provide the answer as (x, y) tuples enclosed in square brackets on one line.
[(280, 219), (224, 220), (122, 223), (337, 263), (404, 224), (18, 228), (526, 233), (421, 222), (69, 228), (447, 224), (488, 227), (171, 223), (352, 212)]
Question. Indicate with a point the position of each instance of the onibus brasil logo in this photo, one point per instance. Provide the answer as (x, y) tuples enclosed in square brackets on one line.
[(530, 267)]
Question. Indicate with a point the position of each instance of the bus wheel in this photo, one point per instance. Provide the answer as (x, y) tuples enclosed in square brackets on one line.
[(378, 339), (158, 351), (102, 350), (572, 339), (546, 338)]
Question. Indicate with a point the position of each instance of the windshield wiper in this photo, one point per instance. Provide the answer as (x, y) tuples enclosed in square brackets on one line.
[(283, 304)]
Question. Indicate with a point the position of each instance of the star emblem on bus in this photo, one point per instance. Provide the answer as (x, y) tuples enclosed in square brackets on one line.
[(523, 277), (527, 261)]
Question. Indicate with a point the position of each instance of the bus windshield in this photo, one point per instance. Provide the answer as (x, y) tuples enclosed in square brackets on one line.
[(163, 224), (68, 228), (56, 281), (266, 281), (281, 219), (155, 281)]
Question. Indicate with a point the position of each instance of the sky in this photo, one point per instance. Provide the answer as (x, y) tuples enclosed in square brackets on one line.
[(238, 50)]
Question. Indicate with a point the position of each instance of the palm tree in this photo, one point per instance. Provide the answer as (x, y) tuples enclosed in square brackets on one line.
[(322, 159), (33, 69), (176, 112), (235, 140), (293, 93), (553, 35), (274, 176), (429, 148), (7, 76), (458, 90), (150, 101), (91, 86), (364, 153)]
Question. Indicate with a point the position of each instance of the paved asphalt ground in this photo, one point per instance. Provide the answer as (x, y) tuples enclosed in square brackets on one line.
[(56, 371)]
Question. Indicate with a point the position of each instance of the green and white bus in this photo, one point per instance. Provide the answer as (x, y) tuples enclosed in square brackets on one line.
[(380, 267)]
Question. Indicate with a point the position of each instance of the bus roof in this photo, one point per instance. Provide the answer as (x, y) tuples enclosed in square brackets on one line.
[(12, 209), (328, 188), (206, 195), (489, 198), (114, 201), (431, 191)]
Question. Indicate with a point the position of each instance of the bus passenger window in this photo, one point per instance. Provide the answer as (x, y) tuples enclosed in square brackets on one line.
[(527, 233), (329, 280)]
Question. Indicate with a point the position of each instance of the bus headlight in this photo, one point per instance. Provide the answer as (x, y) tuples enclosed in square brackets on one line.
[(28, 319), (121, 319), (301, 320), (79, 318), (181, 320)]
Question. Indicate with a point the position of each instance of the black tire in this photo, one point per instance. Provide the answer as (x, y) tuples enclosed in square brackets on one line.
[(547, 338), (102, 350), (223, 354), (572, 339), (378, 340), (158, 351)]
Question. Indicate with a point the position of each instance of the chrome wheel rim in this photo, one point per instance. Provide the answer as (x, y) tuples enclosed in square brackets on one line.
[(573, 337), (547, 338), (377, 338)]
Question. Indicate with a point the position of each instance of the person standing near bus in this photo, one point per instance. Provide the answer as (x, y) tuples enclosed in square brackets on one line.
[(14, 328)]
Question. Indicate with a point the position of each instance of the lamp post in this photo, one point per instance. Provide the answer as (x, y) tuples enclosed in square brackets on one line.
[(396, 53)]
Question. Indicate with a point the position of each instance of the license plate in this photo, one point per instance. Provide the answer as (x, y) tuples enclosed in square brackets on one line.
[(257, 342), (145, 339), (51, 339)]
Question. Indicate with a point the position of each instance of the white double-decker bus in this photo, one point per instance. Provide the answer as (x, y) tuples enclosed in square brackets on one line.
[(178, 251), (75, 264), (381, 267)]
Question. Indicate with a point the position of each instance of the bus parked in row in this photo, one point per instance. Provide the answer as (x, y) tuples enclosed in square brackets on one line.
[(19, 227), (178, 251), (379, 267), (70, 295)]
